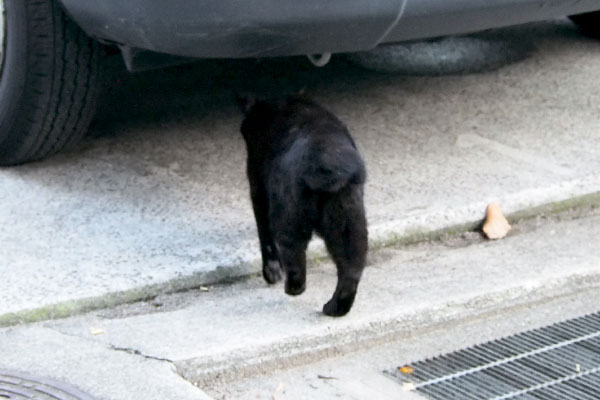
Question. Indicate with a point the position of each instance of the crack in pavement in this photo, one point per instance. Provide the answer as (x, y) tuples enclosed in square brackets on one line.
[(139, 353), (110, 346)]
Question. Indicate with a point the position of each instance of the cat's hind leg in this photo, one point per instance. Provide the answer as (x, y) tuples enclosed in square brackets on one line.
[(292, 255), (344, 230), (292, 214), (291, 225)]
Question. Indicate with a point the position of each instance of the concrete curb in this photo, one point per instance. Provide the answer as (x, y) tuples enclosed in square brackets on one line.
[(426, 225), (305, 349)]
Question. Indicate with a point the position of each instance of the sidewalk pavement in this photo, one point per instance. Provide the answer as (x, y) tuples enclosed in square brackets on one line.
[(220, 334)]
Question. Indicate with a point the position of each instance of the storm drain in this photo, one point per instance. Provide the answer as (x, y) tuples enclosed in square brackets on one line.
[(560, 361), (17, 386)]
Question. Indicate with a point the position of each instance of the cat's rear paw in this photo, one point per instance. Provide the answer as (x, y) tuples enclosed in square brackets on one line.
[(337, 308), (272, 272), (294, 288)]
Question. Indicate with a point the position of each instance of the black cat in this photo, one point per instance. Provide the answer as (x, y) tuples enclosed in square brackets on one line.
[(305, 175)]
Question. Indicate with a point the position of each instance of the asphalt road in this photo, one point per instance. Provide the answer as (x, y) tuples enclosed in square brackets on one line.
[(156, 198)]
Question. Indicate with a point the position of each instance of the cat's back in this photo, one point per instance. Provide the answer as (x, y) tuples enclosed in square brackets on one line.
[(317, 120), (316, 148)]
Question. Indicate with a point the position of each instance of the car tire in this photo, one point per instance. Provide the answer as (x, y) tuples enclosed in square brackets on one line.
[(49, 80), (588, 22)]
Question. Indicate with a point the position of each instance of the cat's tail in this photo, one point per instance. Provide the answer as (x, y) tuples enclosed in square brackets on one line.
[(335, 168)]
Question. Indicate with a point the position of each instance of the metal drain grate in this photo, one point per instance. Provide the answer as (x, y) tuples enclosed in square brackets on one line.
[(560, 361), (18, 386)]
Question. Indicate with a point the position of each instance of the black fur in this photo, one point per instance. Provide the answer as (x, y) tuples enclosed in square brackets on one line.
[(305, 176)]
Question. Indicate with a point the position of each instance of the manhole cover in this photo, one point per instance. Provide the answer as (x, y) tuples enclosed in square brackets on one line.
[(561, 361), (17, 386)]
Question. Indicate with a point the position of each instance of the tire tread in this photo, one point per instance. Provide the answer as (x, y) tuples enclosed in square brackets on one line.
[(61, 86)]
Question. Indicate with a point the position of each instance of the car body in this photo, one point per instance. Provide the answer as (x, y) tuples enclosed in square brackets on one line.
[(266, 28)]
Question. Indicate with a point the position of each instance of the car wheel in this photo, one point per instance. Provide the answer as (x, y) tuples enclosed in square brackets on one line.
[(589, 23), (49, 79)]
